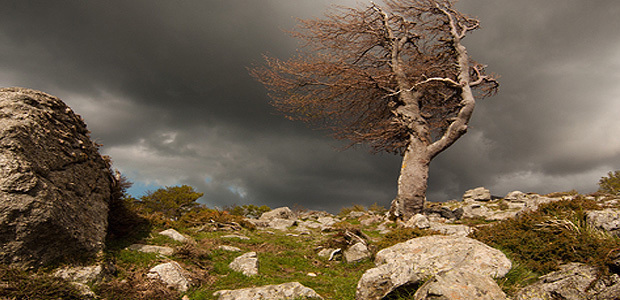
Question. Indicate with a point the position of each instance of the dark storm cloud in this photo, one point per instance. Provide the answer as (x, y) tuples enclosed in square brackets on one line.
[(164, 86)]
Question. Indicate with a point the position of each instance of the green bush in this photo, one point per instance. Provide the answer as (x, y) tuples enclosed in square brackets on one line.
[(171, 202), (248, 210), (610, 184), (556, 233)]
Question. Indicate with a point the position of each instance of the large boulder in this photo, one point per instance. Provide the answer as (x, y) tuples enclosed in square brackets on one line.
[(54, 185), (414, 261)]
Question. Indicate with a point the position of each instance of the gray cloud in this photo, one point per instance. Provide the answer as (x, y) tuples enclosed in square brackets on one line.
[(164, 86)]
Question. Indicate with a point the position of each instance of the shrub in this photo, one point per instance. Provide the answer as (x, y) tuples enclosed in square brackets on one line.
[(610, 184), (248, 211), (172, 202), (556, 233), (400, 235)]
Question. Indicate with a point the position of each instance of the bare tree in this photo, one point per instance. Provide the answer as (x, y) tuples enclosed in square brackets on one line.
[(396, 77)]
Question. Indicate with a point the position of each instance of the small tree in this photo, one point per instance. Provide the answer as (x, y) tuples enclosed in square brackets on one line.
[(172, 202), (610, 184), (396, 77)]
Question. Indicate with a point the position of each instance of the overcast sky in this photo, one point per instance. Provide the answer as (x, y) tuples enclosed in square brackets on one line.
[(163, 85)]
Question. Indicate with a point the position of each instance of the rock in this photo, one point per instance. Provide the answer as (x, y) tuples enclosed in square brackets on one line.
[(371, 219), (477, 194), (416, 260), (451, 229), (357, 252), (439, 212), (327, 220), (607, 219), (172, 274), (355, 214), (279, 213), (151, 249), (54, 185), (475, 210), (459, 284), (280, 224), (84, 275), (235, 236), (570, 283), (330, 253), (516, 196), (291, 290), (418, 221), (246, 264), (175, 235), (229, 248)]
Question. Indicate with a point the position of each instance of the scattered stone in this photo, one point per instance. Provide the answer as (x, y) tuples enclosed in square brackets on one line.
[(311, 274), (356, 253), (570, 282), (84, 275), (235, 236), (175, 235), (280, 224), (606, 219), (451, 229), (327, 220), (477, 194), (308, 225), (54, 185), (291, 290), (459, 284), (172, 274), (279, 213), (151, 249), (439, 213), (415, 260), (371, 219), (229, 248), (355, 214), (418, 221), (246, 264), (475, 210)]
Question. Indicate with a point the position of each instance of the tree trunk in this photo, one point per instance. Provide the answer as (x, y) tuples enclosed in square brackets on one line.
[(412, 182)]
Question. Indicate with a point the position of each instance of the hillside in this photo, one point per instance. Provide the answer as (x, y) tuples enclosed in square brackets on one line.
[(540, 234)]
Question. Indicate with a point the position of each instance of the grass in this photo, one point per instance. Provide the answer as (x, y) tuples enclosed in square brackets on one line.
[(536, 243)]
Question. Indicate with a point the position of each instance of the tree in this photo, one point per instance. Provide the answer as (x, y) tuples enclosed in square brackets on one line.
[(172, 202), (610, 184), (396, 77)]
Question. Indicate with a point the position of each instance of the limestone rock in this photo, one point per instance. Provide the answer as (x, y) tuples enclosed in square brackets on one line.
[(246, 264), (278, 213), (451, 229), (459, 284), (569, 283), (151, 249), (475, 210), (172, 274), (417, 259), (54, 185), (607, 219), (291, 290), (418, 221), (477, 194), (84, 274), (229, 248), (357, 252), (175, 235)]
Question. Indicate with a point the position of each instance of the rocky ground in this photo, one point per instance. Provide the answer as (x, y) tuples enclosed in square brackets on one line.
[(359, 254)]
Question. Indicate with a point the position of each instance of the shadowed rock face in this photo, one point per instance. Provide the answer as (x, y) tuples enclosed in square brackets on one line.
[(54, 184)]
